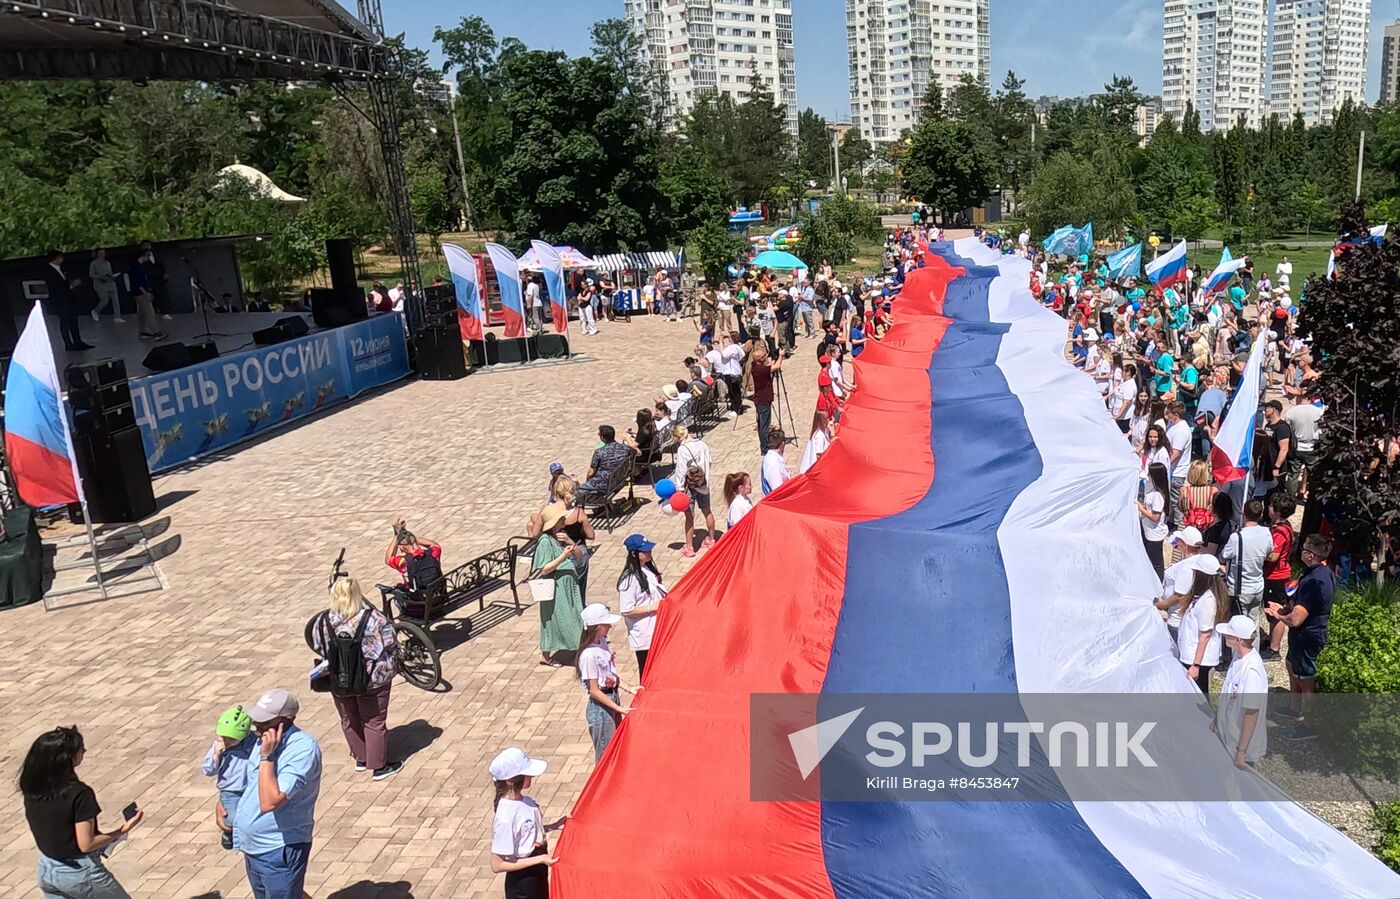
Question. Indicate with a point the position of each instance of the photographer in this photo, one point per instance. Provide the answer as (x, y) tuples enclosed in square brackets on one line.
[(417, 560), (763, 371)]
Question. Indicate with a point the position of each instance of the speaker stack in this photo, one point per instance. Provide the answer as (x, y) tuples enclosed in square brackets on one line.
[(332, 307), (170, 356), (438, 343), (107, 443)]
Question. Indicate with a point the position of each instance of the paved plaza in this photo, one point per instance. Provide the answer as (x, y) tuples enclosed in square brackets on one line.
[(254, 533)]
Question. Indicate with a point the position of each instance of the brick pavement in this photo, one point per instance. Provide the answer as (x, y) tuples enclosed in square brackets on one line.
[(465, 463)]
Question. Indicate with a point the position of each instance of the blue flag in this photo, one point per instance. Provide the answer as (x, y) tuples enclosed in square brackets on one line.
[(1126, 263), (1084, 240), (1058, 241)]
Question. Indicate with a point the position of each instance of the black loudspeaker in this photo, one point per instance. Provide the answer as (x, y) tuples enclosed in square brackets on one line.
[(483, 352), (440, 356), (203, 352), (551, 346), (331, 308), (510, 349), (168, 357), (99, 373), (295, 326), (100, 396), (340, 255), (115, 477), (9, 334), (289, 328)]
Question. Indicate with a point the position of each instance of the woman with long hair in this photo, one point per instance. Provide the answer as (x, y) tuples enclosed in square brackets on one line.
[(519, 847), (1152, 509), (1138, 420), (1155, 449), (62, 813), (817, 442), (1196, 496), (558, 558), (737, 488), (639, 595), (597, 669), (644, 435), (570, 525), (363, 716), (1208, 604)]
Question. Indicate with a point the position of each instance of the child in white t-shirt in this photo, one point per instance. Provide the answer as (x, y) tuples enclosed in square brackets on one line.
[(519, 848), (597, 669)]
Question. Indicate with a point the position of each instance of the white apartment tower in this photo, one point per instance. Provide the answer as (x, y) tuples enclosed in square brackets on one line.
[(895, 47), (703, 47), (1319, 57), (1390, 64), (1213, 55)]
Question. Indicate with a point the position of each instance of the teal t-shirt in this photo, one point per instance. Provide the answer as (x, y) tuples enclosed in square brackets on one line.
[(1190, 378), (1237, 297), (1137, 295), (1163, 379)]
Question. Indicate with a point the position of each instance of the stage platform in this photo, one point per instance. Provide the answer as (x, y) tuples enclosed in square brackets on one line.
[(111, 340)]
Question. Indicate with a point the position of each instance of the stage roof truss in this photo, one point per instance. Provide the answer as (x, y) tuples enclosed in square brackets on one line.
[(206, 40)]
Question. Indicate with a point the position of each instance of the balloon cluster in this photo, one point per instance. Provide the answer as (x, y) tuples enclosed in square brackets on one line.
[(672, 500)]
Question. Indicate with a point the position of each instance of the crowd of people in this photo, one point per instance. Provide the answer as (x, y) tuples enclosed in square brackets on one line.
[(1167, 364)]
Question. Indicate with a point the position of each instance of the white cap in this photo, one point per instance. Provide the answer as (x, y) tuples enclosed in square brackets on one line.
[(1205, 562), (597, 613), (1091, 334), (514, 762), (1241, 626), (1188, 535)]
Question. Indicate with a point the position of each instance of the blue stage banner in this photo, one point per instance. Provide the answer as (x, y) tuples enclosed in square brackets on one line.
[(193, 411)]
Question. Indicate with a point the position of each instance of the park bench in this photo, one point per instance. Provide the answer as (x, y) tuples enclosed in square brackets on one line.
[(600, 501)]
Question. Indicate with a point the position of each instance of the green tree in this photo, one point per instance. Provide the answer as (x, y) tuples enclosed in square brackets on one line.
[(1014, 117), (746, 141), (695, 192), (813, 148), (715, 248), (1309, 206), (950, 165)]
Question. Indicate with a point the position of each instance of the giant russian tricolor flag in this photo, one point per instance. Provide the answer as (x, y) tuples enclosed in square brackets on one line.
[(1233, 449), (972, 529), (37, 440), (1169, 268), (552, 267), (471, 316), (508, 280), (1223, 272)]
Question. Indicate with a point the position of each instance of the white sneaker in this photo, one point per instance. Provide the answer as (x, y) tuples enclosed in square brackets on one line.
[(118, 321), (166, 317), (96, 317)]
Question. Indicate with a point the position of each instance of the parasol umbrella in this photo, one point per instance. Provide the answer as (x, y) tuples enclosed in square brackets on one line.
[(571, 257), (777, 259)]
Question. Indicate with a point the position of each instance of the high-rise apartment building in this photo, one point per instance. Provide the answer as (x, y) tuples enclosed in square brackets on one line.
[(895, 47), (1213, 55), (1390, 64), (1319, 57), (703, 47)]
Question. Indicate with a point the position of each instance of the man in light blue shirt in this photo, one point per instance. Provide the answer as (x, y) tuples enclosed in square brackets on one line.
[(273, 824)]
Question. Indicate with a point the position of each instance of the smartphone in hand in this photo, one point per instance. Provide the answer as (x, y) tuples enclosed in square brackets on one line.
[(129, 812)]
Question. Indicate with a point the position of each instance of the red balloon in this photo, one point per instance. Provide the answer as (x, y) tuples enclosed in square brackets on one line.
[(680, 501)]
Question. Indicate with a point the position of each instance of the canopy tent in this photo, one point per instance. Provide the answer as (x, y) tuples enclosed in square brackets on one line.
[(572, 259), (970, 530), (777, 259), (256, 180), (617, 262)]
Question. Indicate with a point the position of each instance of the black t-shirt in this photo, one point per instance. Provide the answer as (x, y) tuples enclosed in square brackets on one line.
[(825, 345), (52, 820), (1277, 434), (785, 309), (1218, 532)]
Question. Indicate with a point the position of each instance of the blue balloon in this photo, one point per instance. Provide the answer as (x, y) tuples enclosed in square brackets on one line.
[(664, 488)]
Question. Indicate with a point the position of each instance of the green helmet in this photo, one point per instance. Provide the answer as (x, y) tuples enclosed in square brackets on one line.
[(234, 724)]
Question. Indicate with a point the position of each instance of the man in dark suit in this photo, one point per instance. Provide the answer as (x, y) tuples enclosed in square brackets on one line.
[(63, 303)]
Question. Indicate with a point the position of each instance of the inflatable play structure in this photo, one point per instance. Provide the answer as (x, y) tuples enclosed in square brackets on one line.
[(971, 530), (786, 238)]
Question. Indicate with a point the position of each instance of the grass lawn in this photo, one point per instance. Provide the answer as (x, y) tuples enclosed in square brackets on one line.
[(1306, 260)]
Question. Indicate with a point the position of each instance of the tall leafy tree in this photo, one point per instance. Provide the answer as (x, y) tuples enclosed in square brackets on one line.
[(856, 153), (813, 148), (1014, 117), (950, 165)]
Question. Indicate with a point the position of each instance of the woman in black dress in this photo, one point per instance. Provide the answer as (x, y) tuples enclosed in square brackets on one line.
[(62, 815)]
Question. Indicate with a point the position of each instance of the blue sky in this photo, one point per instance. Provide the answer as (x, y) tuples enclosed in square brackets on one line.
[(1061, 47)]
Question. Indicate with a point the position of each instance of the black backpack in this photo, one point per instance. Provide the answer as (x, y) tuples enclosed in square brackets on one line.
[(345, 656), (423, 570)]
